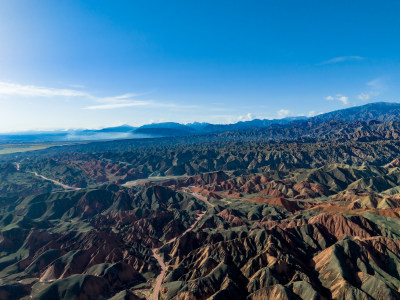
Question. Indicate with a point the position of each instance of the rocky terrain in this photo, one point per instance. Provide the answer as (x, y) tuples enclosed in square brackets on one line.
[(310, 211)]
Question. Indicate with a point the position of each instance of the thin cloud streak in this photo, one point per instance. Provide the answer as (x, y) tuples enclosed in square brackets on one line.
[(113, 102), (340, 59), (119, 105), (117, 98), (13, 89)]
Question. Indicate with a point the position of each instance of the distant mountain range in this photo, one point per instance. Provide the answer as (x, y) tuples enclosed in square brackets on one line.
[(380, 111)]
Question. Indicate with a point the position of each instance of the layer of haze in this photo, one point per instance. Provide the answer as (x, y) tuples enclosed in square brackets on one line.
[(90, 64)]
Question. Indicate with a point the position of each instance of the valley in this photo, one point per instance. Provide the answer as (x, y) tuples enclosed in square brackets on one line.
[(255, 214)]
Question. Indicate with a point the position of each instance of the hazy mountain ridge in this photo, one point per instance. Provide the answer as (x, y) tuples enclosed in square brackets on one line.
[(380, 111)]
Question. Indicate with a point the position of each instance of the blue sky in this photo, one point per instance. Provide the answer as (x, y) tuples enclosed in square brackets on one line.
[(90, 64)]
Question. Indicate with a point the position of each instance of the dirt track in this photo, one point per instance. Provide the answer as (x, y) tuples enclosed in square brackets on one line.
[(66, 187), (159, 258), (161, 261)]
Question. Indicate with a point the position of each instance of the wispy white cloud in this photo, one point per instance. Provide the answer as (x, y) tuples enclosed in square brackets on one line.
[(283, 113), (375, 86), (119, 105), (313, 113), (248, 117), (228, 118), (13, 89), (117, 99), (339, 97), (367, 96), (122, 102), (99, 103), (340, 59)]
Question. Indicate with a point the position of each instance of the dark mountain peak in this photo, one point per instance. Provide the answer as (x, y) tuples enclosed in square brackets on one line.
[(165, 129), (379, 111)]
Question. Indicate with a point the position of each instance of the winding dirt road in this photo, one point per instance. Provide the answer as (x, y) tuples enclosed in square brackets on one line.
[(159, 259), (66, 187), (162, 274), (203, 198), (157, 256)]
